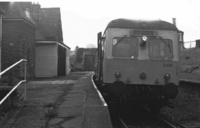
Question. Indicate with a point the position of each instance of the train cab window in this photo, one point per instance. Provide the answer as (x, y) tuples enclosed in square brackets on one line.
[(160, 48), (125, 47)]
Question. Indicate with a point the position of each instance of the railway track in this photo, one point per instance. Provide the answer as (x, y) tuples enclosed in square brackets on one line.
[(169, 124), (173, 124), (142, 118), (155, 122)]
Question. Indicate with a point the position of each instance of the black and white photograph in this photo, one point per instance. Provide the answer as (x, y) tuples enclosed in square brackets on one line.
[(100, 64)]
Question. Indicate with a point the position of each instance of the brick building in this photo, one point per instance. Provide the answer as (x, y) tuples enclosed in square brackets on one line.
[(18, 35), (27, 28)]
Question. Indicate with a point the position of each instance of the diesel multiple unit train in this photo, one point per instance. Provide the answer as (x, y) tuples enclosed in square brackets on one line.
[(138, 61)]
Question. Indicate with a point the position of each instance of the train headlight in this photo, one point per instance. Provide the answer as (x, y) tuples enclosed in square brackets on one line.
[(143, 42), (144, 38), (118, 74), (167, 76)]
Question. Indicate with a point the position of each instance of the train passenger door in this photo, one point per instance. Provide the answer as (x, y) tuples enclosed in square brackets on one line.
[(99, 57)]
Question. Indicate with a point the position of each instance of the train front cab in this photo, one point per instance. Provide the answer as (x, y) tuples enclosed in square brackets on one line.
[(139, 73)]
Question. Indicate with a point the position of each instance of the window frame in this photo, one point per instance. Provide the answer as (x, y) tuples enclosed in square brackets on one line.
[(169, 41), (114, 47)]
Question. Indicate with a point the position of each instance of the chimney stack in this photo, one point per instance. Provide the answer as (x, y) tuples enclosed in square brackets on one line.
[(174, 21)]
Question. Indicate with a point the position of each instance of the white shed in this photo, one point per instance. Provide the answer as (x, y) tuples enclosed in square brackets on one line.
[(51, 59)]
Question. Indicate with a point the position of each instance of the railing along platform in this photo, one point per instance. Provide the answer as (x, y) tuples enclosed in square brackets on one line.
[(22, 81)]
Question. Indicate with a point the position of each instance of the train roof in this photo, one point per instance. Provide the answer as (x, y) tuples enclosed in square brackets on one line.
[(142, 24)]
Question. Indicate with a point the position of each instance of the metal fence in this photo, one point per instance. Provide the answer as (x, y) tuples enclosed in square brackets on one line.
[(22, 81), (190, 44)]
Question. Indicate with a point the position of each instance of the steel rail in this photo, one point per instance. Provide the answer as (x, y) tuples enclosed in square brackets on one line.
[(166, 122), (124, 124), (171, 124)]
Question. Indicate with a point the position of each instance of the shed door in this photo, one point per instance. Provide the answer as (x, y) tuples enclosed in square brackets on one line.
[(46, 60), (61, 61)]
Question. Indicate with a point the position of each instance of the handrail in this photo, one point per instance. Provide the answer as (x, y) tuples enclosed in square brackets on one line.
[(15, 64), (11, 92), (7, 69)]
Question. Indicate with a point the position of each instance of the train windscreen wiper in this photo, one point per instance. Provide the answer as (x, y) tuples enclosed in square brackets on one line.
[(118, 41), (166, 43)]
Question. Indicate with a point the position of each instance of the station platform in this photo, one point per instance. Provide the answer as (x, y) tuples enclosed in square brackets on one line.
[(71, 101), (190, 78), (82, 107)]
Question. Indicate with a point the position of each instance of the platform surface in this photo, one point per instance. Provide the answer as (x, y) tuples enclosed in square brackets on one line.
[(76, 99), (82, 108)]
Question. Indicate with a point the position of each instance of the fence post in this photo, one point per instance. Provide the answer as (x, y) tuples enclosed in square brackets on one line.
[(25, 75)]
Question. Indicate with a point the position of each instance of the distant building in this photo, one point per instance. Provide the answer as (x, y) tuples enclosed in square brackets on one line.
[(84, 59)]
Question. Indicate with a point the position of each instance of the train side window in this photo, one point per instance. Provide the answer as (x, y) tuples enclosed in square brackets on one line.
[(160, 48), (125, 47)]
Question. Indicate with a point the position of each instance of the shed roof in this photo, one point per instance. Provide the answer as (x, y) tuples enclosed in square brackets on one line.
[(53, 42), (81, 51)]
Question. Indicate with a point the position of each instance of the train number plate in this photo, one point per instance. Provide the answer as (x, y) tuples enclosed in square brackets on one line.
[(142, 33), (167, 65)]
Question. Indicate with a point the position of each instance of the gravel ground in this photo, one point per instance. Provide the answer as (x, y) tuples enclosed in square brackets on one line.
[(186, 108), (186, 104)]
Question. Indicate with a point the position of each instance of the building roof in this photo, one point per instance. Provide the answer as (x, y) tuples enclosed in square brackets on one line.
[(81, 51), (53, 42), (50, 24), (142, 24), (39, 36), (1, 10), (17, 10)]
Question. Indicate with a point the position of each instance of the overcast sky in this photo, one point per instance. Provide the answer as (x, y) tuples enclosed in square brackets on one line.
[(83, 19)]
